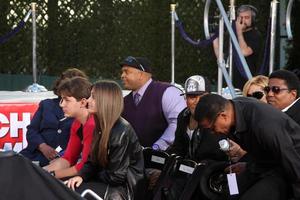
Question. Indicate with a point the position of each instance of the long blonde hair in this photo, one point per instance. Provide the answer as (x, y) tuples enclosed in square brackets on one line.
[(109, 105)]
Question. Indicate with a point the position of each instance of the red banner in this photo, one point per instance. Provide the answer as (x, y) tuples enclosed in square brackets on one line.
[(14, 118)]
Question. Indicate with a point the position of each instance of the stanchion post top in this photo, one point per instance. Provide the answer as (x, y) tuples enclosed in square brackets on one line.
[(173, 6), (33, 6)]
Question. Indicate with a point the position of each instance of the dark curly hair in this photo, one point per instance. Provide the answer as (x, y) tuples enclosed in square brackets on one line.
[(69, 73)]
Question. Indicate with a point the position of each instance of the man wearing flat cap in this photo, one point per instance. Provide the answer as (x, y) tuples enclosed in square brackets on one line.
[(152, 107)]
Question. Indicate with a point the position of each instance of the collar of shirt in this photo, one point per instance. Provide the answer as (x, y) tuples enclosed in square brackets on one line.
[(286, 109), (142, 90)]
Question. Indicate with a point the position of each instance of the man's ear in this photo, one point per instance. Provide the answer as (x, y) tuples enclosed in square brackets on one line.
[(141, 75), (224, 115), (294, 93), (83, 103)]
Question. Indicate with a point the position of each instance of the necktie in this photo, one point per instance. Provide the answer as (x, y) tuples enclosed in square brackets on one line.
[(136, 98)]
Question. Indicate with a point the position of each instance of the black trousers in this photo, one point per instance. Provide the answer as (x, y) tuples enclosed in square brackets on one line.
[(260, 186)]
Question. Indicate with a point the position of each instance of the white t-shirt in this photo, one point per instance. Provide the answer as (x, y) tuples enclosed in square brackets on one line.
[(189, 132)]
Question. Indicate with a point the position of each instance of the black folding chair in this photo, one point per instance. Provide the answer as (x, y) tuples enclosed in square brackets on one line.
[(155, 159)]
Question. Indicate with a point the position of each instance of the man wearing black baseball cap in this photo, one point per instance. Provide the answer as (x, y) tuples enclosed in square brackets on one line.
[(152, 107)]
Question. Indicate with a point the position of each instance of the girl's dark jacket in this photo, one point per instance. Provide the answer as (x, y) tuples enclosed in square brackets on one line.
[(125, 166)]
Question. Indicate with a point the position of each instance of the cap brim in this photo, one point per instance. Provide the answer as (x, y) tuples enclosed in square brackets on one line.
[(193, 93), (127, 64)]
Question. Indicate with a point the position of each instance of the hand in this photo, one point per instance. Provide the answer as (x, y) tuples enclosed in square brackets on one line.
[(235, 151), (47, 151), (236, 168), (153, 175), (74, 182), (240, 26)]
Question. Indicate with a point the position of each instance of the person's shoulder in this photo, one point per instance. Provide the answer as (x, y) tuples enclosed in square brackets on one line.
[(49, 101), (184, 113), (245, 100), (255, 33), (250, 103), (122, 125), (159, 84), (121, 130), (174, 91), (168, 85)]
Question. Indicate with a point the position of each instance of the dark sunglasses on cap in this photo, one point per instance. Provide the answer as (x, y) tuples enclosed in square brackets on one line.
[(256, 95), (274, 89)]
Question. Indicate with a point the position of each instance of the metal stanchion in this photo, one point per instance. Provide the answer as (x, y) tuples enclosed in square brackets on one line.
[(221, 54), (34, 87), (33, 6), (205, 19), (172, 7), (273, 34), (220, 61), (232, 18), (288, 19)]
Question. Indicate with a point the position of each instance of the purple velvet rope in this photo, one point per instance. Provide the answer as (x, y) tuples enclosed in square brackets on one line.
[(236, 59), (10, 34), (198, 43)]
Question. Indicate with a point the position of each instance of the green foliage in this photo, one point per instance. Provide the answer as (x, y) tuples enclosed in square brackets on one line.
[(95, 35), (294, 51)]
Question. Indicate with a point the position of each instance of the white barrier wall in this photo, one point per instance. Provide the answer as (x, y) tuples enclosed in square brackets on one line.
[(16, 110)]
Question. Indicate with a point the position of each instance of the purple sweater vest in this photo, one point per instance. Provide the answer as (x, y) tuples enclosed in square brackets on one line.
[(147, 118)]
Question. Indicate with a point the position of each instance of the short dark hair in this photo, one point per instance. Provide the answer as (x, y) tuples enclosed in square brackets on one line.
[(77, 87), (69, 73), (290, 78), (209, 106), (297, 72)]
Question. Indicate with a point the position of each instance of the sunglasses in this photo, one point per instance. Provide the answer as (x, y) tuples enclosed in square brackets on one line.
[(274, 89), (256, 95)]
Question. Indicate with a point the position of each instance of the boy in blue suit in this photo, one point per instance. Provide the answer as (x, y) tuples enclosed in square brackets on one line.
[(49, 131)]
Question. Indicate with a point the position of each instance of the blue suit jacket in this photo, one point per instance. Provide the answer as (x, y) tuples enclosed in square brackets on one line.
[(46, 127)]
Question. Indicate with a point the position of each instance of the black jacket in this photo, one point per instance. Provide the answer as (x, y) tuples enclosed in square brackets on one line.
[(294, 113), (203, 145), (270, 137), (125, 162)]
